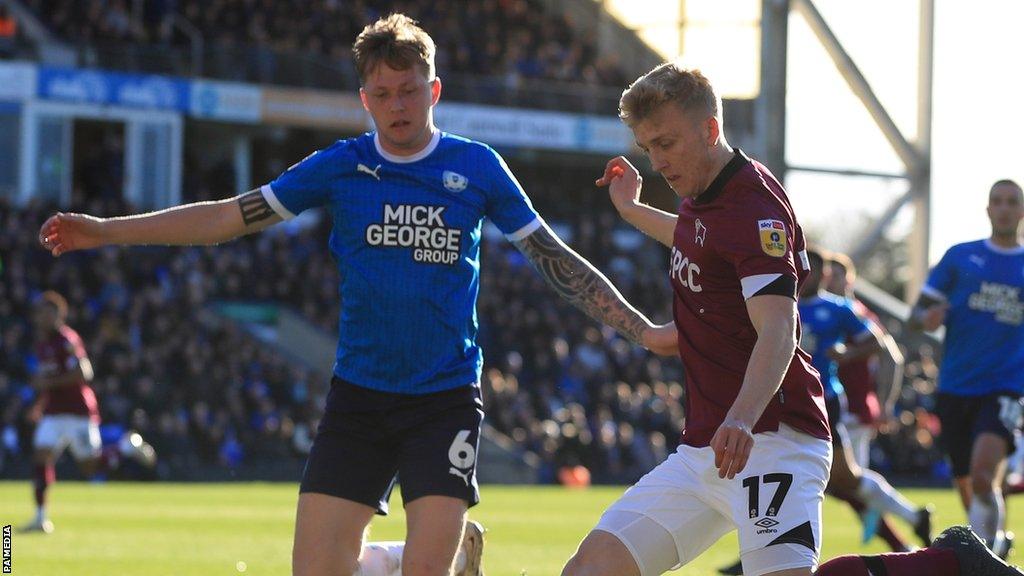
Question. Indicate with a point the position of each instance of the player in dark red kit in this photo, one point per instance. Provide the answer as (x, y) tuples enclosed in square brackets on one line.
[(755, 453), (70, 415)]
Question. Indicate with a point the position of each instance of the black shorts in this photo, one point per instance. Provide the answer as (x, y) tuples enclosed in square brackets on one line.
[(835, 408), (963, 418), (368, 437)]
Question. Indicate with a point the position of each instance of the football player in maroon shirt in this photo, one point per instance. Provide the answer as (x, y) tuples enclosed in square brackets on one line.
[(756, 451)]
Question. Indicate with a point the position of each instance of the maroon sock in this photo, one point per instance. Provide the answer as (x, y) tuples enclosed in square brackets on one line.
[(885, 530), (42, 476), (925, 562), (1011, 489)]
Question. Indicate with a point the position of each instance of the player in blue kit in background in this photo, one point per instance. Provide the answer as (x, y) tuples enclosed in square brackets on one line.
[(975, 290), (834, 334), (407, 202)]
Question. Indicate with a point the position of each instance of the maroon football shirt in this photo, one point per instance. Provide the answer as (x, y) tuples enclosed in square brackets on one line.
[(733, 240), (59, 354), (858, 378)]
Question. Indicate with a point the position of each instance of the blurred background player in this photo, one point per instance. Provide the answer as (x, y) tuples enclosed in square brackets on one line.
[(872, 383), (67, 412), (70, 414), (407, 202), (976, 292), (834, 334)]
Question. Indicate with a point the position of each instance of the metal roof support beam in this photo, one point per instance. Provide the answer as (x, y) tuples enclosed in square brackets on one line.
[(910, 155)]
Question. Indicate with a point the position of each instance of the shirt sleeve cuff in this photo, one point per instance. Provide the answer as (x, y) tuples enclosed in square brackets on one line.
[(275, 204), (525, 230)]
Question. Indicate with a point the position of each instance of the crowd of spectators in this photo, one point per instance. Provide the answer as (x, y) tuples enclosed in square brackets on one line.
[(511, 39), (206, 393)]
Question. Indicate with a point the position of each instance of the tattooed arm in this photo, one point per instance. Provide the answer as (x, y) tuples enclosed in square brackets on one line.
[(586, 288), (202, 223)]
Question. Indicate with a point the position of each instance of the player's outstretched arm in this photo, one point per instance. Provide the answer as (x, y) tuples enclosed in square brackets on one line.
[(202, 223), (624, 184), (585, 287), (774, 319)]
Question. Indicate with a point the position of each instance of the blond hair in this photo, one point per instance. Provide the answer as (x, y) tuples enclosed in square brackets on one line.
[(669, 82), (397, 41)]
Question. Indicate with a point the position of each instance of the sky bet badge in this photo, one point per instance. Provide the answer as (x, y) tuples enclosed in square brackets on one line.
[(773, 237)]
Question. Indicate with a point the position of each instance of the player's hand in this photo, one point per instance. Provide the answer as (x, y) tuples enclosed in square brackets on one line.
[(623, 181), (934, 316), (65, 232), (732, 443), (662, 339)]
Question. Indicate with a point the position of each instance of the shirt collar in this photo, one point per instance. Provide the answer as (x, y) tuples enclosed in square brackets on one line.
[(434, 140), (738, 161)]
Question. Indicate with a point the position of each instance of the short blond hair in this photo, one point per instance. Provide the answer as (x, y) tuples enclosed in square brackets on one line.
[(395, 40), (669, 82)]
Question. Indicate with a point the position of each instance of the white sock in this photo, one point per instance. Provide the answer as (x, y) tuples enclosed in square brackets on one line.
[(41, 513), (381, 559), (987, 515), (878, 494)]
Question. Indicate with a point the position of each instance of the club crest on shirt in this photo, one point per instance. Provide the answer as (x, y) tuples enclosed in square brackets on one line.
[(773, 237), (701, 232), (454, 181)]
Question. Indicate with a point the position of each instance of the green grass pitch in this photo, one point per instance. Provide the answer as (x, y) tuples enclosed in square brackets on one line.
[(246, 528)]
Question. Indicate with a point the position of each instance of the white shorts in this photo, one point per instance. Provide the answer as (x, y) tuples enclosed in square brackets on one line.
[(59, 431), (860, 442), (775, 503)]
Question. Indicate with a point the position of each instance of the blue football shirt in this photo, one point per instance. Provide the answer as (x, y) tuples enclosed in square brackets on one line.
[(827, 320), (984, 349), (406, 238)]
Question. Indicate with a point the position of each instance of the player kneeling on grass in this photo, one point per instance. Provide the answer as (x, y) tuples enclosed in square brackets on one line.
[(407, 202), (755, 453)]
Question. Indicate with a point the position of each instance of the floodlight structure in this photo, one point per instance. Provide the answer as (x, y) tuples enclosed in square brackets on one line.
[(915, 154)]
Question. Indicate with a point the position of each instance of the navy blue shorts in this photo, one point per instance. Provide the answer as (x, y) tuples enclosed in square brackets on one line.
[(963, 418), (368, 439)]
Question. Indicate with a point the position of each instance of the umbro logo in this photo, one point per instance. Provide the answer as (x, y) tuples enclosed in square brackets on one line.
[(766, 523), (366, 170), (977, 260)]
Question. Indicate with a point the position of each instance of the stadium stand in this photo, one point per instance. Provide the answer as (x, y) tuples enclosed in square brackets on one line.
[(492, 51)]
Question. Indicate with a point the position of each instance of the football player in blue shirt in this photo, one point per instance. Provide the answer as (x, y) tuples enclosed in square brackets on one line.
[(975, 290), (407, 203)]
